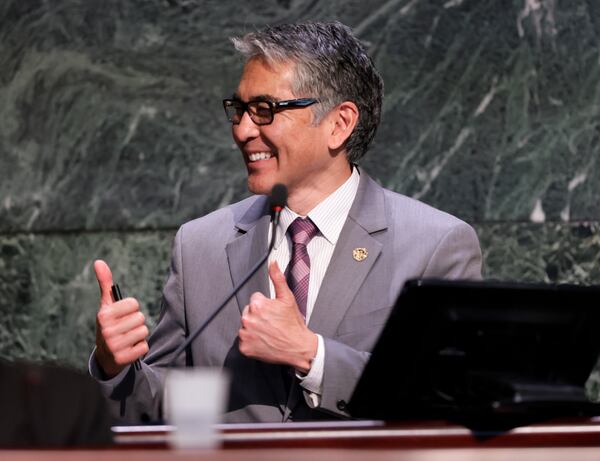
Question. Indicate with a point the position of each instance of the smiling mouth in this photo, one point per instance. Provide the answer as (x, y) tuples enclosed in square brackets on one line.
[(256, 156)]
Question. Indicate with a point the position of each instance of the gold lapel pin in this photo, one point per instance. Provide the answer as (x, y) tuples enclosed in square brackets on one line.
[(360, 254)]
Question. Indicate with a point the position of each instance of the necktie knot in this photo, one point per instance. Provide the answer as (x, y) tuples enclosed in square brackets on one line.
[(302, 230)]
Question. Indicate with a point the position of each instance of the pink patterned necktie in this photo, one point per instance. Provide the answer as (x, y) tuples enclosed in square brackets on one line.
[(298, 271)]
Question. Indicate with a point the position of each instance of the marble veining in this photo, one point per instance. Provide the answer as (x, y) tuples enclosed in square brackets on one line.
[(110, 111), (112, 134)]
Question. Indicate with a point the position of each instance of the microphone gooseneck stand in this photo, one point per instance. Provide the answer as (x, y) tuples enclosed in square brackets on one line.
[(278, 202)]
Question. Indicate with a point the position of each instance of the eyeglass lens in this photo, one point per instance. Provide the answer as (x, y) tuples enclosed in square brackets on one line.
[(260, 111)]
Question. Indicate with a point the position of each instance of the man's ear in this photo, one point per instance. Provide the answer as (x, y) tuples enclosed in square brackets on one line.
[(344, 119)]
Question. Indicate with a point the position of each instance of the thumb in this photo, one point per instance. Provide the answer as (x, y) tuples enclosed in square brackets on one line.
[(282, 290), (105, 281)]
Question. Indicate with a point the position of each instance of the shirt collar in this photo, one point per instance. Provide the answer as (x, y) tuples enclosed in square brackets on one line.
[(329, 215)]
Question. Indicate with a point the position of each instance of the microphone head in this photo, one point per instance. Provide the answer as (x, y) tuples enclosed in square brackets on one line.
[(278, 197)]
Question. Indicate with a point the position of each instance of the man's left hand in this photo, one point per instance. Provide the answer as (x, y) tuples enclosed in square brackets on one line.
[(274, 331)]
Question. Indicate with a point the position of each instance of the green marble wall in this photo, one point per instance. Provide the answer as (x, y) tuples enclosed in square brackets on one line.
[(112, 134)]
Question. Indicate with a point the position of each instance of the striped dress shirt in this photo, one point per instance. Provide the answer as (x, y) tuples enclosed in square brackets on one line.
[(329, 216)]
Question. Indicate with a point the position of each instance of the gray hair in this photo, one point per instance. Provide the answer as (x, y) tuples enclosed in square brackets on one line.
[(331, 65)]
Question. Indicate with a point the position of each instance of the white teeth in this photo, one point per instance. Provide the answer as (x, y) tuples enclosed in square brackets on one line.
[(259, 156)]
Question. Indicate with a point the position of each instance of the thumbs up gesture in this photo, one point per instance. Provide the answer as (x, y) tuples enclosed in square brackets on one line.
[(274, 331), (121, 329)]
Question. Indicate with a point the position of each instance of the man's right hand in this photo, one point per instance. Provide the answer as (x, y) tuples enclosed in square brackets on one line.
[(121, 329)]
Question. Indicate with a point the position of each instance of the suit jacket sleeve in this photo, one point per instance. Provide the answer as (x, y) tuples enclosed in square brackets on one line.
[(136, 396), (457, 255)]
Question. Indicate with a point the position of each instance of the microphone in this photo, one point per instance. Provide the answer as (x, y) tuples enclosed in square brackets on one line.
[(278, 198), (278, 201)]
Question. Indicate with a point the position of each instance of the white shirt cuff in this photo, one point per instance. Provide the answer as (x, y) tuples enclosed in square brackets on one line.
[(313, 381)]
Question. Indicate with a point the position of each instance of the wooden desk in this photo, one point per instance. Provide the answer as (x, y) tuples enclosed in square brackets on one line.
[(377, 435), (352, 441)]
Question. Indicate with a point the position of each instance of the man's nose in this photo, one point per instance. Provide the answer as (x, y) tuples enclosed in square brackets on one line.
[(246, 129)]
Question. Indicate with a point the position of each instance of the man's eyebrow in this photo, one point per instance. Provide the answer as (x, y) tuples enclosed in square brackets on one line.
[(259, 97), (265, 97)]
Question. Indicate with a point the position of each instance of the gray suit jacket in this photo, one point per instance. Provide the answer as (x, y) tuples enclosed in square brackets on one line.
[(404, 239)]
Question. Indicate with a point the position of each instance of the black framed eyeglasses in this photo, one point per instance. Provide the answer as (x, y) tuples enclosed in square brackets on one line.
[(261, 112)]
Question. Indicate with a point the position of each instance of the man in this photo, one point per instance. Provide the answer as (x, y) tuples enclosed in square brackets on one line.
[(306, 108)]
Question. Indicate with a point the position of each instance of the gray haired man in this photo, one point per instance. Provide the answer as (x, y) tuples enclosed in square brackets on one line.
[(305, 110)]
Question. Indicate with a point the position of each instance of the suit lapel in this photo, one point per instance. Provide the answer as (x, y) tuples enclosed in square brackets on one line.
[(243, 252), (345, 274), (343, 278)]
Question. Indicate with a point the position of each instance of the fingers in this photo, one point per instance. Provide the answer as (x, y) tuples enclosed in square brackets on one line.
[(105, 281), (121, 331), (109, 314), (121, 335), (246, 319), (124, 324), (282, 290), (256, 298), (119, 319), (245, 313), (122, 344), (139, 350), (127, 356)]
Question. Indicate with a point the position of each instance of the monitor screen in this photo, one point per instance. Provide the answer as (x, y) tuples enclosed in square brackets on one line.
[(454, 348)]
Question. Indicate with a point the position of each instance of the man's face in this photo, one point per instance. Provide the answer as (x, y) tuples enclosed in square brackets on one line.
[(290, 150)]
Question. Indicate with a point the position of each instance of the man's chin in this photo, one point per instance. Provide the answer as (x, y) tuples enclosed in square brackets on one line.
[(261, 186)]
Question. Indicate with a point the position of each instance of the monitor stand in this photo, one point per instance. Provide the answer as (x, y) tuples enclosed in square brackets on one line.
[(502, 401)]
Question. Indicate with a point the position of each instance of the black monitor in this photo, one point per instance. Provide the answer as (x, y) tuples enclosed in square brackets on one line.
[(480, 351)]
